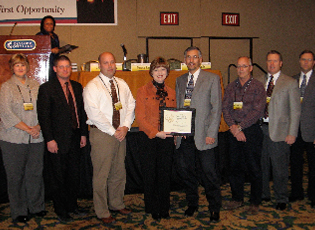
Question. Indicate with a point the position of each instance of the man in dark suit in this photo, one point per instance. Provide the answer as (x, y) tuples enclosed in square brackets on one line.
[(280, 128), (195, 155), (63, 121), (306, 135)]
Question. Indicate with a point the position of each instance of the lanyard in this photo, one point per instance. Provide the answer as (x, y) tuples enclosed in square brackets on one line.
[(246, 86), (110, 91), (29, 91)]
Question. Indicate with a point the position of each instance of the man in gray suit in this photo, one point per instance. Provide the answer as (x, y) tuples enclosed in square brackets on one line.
[(280, 127), (195, 157), (306, 134)]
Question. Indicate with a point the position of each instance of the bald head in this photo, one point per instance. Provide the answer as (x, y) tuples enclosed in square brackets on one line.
[(107, 64)]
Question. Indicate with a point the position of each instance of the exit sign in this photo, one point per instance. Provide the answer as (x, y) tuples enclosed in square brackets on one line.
[(169, 18), (230, 19)]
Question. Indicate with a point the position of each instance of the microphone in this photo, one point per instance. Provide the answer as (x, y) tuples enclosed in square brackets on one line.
[(124, 49), (13, 28)]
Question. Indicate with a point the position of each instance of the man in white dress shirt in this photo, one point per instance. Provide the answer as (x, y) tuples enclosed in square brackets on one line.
[(280, 128), (110, 106)]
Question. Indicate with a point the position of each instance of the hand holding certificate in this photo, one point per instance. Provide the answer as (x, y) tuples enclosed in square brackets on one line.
[(178, 121)]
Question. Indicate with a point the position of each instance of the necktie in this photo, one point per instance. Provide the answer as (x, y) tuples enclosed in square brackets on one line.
[(190, 87), (71, 106), (116, 115), (303, 86), (269, 93), (270, 86)]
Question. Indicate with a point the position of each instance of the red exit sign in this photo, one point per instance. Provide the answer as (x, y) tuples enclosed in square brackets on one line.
[(169, 18), (230, 19)]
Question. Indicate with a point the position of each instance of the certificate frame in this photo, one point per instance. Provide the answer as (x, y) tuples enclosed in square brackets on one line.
[(180, 121)]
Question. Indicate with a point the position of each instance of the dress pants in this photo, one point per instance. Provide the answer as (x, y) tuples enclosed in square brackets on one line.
[(109, 173), (194, 166), (64, 175), (275, 156), (245, 160), (24, 169), (297, 161), (156, 165)]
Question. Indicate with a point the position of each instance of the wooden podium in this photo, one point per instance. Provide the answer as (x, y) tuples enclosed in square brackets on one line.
[(37, 49)]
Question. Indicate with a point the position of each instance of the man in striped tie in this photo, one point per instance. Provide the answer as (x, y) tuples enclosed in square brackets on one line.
[(195, 155), (280, 128)]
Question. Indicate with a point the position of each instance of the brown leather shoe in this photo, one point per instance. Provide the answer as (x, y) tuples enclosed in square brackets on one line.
[(124, 211), (230, 205), (253, 209), (108, 220)]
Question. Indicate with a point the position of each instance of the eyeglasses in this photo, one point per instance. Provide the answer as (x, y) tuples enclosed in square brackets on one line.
[(242, 66), (306, 59), (63, 67), (192, 57)]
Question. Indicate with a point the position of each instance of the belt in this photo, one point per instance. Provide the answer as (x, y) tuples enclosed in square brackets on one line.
[(93, 126), (261, 122)]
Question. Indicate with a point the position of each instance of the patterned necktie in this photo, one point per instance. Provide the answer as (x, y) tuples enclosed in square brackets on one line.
[(270, 86), (303, 86), (269, 93), (116, 115), (190, 88), (71, 106)]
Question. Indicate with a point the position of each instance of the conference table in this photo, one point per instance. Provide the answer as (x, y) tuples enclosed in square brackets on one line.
[(136, 79)]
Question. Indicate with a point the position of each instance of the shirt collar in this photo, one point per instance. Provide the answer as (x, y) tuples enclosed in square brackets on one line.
[(62, 81), (308, 74), (275, 76), (196, 74), (105, 78)]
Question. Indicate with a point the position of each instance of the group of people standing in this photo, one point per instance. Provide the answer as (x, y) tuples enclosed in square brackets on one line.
[(272, 123), (266, 116)]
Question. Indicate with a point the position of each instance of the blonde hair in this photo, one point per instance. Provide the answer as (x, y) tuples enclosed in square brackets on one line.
[(19, 58)]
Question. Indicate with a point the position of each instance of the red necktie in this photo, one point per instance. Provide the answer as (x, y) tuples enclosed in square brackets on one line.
[(71, 106)]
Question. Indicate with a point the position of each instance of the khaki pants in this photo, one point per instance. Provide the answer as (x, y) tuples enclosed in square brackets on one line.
[(109, 173)]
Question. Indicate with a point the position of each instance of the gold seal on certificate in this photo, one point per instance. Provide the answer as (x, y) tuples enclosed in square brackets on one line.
[(178, 121)]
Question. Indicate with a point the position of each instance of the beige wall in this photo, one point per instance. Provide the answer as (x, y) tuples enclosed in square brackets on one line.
[(284, 25)]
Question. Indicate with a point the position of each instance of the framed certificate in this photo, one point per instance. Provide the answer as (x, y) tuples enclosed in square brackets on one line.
[(179, 122)]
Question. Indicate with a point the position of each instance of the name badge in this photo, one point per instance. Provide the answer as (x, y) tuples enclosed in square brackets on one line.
[(268, 99), (187, 102), (301, 99), (118, 105), (238, 105), (28, 106)]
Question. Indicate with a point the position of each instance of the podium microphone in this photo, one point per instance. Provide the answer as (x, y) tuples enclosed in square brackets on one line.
[(124, 48), (13, 28), (125, 57)]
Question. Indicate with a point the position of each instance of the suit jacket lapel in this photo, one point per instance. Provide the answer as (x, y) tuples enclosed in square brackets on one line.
[(310, 85), (182, 89), (60, 93), (279, 82), (199, 83)]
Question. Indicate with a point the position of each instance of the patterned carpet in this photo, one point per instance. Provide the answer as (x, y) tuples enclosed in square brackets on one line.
[(298, 215)]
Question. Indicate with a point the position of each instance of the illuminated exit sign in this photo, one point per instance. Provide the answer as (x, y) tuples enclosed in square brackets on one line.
[(230, 19), (169, 18)]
